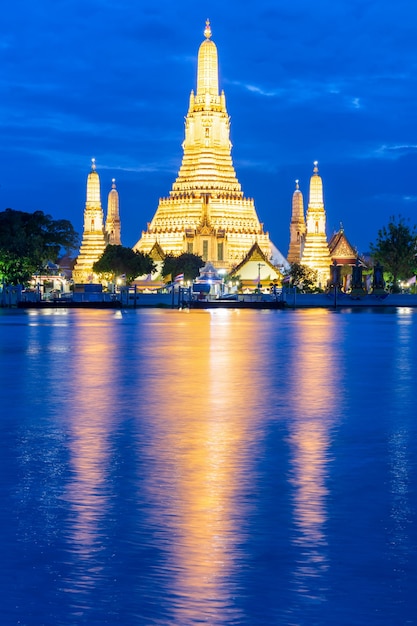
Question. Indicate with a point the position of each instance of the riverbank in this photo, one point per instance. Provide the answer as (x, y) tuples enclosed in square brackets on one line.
[(287, 300), (342, 300)]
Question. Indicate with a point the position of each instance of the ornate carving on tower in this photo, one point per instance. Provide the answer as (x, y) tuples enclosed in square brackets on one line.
[(297, 227), (206, 212), (94, 239), (316, 253), (113, 216)]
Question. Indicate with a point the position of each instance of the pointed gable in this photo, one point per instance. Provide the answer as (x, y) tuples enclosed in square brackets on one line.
[(256, 264), (341, 250), (156, 253)]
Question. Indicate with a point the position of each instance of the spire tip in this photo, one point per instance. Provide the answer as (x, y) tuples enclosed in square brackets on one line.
[(207, 30)]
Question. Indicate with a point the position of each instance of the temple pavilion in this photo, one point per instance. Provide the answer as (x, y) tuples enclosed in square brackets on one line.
[(206, 212)]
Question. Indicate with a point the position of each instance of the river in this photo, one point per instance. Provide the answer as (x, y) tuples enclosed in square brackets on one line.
[(165, 467)]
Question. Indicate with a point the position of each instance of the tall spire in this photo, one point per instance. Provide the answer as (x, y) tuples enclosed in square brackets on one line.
[(316, 253), (94, 238), (113, 217), (206, 212), (207, 69), (297, 226)]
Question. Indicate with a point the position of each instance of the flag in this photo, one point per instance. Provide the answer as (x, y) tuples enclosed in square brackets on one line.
[(178, 278), (412, 281), (286, 279)]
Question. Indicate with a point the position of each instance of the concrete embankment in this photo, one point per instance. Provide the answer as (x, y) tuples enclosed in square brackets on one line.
[(342, 300)]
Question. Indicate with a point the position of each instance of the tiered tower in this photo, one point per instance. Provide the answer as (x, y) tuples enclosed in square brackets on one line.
[(94, 239), (316, 253), (113, 216), (206, 212), (297, 227)]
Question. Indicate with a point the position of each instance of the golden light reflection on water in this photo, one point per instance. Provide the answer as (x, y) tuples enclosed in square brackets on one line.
[(89, 437), (314, 379), (201, 453)]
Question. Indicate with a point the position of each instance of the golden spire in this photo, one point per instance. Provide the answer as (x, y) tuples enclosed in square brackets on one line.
[(207, 70), (316, 188), (297, 204), (206, 212), (93, 187), (316, 253), (297, 226), (113, 217), (94, 240)]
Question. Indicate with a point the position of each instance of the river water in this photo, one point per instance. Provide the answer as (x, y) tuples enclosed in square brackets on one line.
[(164, 467)]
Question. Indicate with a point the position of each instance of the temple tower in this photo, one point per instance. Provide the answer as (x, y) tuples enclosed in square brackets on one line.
[(113, 217), (94, 239), (297, 227), (316, 253), (206, 212)]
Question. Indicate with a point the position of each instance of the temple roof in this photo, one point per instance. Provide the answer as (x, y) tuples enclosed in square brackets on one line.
[(254, 254), (340, 249)]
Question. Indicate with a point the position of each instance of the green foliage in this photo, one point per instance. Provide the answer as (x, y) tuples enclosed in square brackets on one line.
[(395, 249), (118, 260), (302, 277), (28, 241), (186, 263)]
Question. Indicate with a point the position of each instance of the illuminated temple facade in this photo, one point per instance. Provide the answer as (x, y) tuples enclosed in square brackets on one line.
[(206, 212), (96, 233)]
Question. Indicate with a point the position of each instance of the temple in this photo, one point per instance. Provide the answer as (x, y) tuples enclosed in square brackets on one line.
[(95, 238), (316, 253), (206, 212)]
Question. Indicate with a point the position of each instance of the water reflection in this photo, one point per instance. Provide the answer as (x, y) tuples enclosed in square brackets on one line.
[(399, 444), (89, 431), (200, 461), (314, 379)]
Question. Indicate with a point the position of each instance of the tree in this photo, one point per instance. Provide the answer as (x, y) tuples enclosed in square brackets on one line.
[(186, 263), (28, 241), (395, 249), (302, 277), (118, 261)]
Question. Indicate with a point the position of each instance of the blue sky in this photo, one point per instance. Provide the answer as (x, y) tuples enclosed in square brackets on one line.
[(329, 81)]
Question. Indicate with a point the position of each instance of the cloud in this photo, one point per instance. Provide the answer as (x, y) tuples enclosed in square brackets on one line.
[(395, 151)]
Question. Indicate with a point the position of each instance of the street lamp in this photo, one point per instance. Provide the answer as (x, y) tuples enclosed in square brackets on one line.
[(259, 275)]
